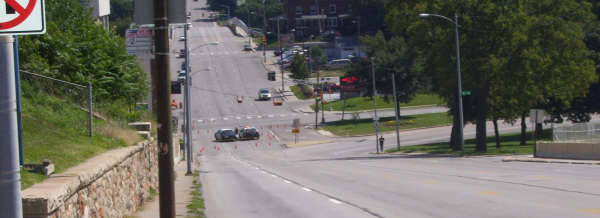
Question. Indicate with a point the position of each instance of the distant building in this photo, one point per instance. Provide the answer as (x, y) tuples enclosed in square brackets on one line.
[(100, 10), (314, 17)]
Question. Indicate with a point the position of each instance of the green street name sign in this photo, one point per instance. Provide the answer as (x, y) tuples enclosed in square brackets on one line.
[(466, 93)]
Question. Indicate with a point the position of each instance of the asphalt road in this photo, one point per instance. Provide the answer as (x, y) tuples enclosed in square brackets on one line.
[(340, 178)]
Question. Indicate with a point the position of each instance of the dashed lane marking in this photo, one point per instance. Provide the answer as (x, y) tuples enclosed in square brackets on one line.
[(590, 210), (489, 193), (335, 201), (428, 182), (306, 189), (288, 182)]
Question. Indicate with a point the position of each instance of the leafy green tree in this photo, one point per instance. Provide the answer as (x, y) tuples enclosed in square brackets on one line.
[(298, 65), (515, 54), (318, 59), (391, 56), (271, 8), (77, 49), (121, 15)]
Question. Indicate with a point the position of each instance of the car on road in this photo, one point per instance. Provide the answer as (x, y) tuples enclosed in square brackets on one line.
[(264, 94), (248, 133), (338, 63), (182, 38), (181, 75), (225, 135), (247, 48), (181, 53)]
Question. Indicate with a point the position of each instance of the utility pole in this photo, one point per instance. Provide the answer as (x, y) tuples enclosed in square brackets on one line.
[(396, 111), (10, 176), (316, 87), (249, 30), (264, 31), (18, 88), (187, 100), (375, 118), (163, 111), (280, 54)]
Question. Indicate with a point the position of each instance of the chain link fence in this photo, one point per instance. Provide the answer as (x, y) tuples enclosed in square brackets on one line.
[(577, 133), (41, 91)]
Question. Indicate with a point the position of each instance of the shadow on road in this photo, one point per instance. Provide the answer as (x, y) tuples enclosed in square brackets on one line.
[(402, 156)]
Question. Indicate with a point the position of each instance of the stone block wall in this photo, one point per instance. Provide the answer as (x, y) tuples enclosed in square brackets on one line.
[(113, 184)]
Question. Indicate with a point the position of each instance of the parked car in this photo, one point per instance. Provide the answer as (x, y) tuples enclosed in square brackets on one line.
[(249, 133), (338, 63), (182, 38), (278, 52), (181, 75), (225, 135), (247, 48), (264, 94), (181, 53)]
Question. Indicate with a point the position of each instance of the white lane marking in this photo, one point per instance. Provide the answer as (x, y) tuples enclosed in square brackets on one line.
[(335, 201), (305, 114), (273, 134), (259, 116), (225, 118), (288, 182), (249, 117), (282, 115), (263, 172), (306, 189), (271, 115), (274, 176), (238, 118), (256, 168)]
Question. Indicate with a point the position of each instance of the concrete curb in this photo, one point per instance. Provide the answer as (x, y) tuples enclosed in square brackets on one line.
[(547, 160)]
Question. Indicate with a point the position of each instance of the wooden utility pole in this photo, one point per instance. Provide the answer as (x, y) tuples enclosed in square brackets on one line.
[(163, 111)]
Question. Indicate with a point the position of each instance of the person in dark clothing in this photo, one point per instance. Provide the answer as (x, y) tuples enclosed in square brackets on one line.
[(381, 139)]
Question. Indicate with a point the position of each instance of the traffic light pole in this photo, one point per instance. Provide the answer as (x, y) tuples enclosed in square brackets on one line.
[(10, 176), (163, 110), (375, 118), (188, 136)]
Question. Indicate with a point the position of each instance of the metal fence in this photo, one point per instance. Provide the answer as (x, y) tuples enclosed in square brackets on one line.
[(81, 95), (577, 133)]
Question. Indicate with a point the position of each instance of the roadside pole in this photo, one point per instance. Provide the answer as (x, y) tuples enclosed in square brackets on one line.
[(375, 118), (264, 42), (163, 110), (187, 103), (280, 55), (10, 177), (396, 111), (18, 89)]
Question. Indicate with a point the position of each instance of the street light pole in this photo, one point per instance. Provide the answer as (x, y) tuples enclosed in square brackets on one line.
[(396, 111), (187, 100), (249, 30), (459, 89), (280, 54), (264, 42), (375, 118)]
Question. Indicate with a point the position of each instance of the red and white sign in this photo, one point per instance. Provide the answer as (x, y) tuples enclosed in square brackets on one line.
[(22, 17)]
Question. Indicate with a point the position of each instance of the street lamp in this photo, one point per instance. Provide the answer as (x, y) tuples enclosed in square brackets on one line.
[(357, 22), (460, 106), (249, 30)]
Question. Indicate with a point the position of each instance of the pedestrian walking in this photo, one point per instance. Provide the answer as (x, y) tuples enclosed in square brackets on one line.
[(381, 139)]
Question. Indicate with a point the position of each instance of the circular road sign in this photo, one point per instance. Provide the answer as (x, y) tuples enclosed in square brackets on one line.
[(23, 13)]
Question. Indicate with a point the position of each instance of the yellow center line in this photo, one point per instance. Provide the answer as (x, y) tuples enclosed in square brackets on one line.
[(489, 193), (428, 182), (590, 210), (541, 177)]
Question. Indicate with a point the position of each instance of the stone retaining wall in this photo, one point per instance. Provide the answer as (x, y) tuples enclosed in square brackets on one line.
[(568, 150), (113, 184)]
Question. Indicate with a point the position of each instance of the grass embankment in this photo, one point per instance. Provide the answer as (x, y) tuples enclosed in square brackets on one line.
[(509, 144), (56, 129), (196, 206), (329, 73), (298, 93), (365, 126), (366, 103)]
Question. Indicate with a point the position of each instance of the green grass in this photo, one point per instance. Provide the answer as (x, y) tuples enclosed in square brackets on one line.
[(365, 126), (509, 144), (298, 93), (366, 103), (55, 129), (329, 73), (196, 206)]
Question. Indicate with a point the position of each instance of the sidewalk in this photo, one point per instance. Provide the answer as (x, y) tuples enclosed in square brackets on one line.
[(183, 188), (530, 158)]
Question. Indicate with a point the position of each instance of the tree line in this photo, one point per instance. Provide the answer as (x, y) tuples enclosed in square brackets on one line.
[(515, 55)]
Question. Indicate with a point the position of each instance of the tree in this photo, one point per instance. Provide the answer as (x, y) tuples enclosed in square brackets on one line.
[(318, 59), (391, 56), (78, 50), (515, 54), (299, 70)]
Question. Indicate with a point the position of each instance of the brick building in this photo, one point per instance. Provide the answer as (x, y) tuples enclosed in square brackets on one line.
[(313, 17)]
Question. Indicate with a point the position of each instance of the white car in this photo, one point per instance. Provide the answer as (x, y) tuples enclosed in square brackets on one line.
[(264, 94), (182, 38)]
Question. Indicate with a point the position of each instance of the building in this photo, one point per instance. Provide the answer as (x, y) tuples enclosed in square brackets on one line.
[(100, 10), (315, 17)]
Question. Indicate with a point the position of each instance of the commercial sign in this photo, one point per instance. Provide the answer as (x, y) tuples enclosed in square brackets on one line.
[(139, 41), (22, 17), (348, 84)]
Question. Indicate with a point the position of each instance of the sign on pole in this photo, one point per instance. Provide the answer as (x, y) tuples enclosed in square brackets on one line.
[(296, 123), (22, 17), (139, 41)]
